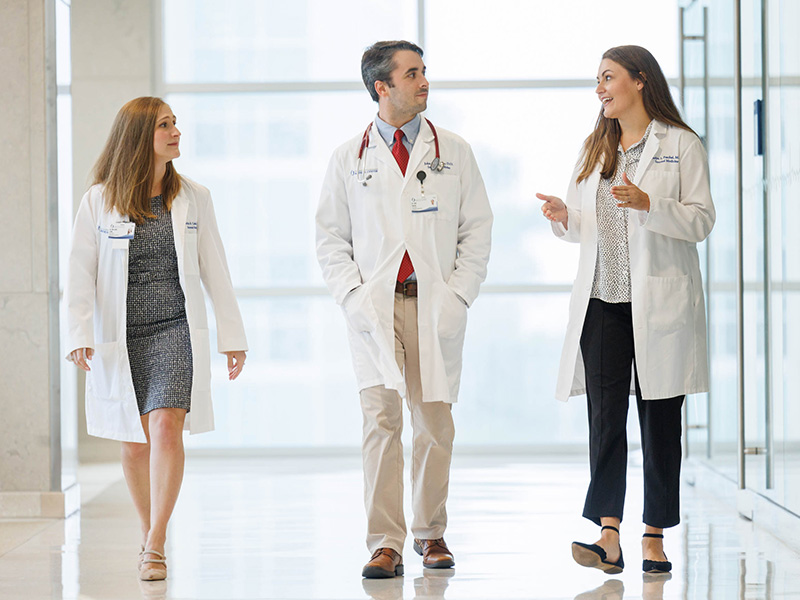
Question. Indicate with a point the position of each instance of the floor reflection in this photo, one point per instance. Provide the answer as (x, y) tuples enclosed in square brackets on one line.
[(653, 585), (153, 590), (384, 589), (430, 586), (293, 528), (613, 589)]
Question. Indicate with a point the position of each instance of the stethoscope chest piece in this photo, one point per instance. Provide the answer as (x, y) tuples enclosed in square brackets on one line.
[(436, 163)]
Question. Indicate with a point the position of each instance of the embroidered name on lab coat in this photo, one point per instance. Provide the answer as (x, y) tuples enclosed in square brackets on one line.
[(448, 164), (666, 159)]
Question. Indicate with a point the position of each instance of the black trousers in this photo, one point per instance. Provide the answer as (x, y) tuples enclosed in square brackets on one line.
[(607, 348)]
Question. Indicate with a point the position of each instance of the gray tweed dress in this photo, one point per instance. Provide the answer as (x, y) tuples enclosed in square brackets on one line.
[(159, 347)]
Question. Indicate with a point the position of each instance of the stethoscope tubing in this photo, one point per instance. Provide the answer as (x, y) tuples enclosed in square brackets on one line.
[(362, 177)]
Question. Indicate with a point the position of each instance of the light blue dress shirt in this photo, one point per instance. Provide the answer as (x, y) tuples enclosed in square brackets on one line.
[(410, 129)]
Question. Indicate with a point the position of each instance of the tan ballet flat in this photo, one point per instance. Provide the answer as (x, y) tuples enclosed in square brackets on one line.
[(147, 572)]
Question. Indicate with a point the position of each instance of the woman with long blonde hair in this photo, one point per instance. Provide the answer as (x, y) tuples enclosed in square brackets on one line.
[(638, 204), (144, 240)]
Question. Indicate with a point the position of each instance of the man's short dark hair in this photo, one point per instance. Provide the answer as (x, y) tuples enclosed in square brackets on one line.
[(377, 63)]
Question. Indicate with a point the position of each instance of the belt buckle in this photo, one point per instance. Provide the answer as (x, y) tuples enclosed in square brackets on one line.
[(407, 285)]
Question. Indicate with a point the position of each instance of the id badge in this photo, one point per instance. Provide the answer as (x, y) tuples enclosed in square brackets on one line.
[(120, 234), (425, 204), (121, 231)]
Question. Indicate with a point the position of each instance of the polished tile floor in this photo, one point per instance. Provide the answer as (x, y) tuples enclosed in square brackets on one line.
[(253, 528)]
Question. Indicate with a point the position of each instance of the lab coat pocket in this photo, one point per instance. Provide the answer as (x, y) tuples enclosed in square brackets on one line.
[(662, 183), (668, 302), (103, 379), (453, 314), (447, 189), (359, 310)]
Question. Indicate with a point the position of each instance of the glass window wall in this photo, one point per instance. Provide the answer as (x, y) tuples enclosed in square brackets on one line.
[(768, 291), (265, 91)]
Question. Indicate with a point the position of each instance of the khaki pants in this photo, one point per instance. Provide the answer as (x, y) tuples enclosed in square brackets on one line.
[(382, 450)]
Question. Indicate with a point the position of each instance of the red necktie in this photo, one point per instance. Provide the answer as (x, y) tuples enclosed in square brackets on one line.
[(399, 151), (400, 154)]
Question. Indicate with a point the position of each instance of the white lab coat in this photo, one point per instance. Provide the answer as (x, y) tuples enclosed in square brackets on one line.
[(362, 234), (669, 320), (96, 293)]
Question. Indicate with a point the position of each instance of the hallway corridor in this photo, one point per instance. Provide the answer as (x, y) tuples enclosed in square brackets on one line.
[(266, 528)]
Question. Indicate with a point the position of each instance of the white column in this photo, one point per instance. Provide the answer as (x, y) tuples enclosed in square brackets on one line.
[(30, 434)]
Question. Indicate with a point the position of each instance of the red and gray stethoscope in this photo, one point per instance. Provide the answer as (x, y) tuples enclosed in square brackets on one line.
[(362, 176)]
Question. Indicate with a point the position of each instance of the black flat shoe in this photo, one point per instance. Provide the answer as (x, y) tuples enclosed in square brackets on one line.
[(592, 555), (656, 566)]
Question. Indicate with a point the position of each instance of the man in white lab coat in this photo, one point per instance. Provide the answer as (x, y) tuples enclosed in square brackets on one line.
[(403, 239)]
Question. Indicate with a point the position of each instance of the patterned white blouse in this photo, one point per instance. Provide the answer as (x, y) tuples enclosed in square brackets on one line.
[(612, 271)]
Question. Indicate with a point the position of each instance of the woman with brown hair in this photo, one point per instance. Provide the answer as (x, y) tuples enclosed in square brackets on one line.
[(144, 239), (638, 203)]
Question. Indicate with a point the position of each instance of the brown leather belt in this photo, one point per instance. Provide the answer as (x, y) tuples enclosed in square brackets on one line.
[(409, 288)]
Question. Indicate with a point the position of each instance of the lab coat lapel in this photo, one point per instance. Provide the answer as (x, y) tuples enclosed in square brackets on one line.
[(180, 207), (381, 150), (421, 147), (590, 185), (651, 147)]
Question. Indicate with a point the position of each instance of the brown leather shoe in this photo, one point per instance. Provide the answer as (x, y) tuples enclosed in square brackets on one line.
[(435, 553), (384, 563)]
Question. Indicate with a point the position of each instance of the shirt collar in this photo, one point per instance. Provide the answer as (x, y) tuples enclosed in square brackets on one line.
[(410, 129)]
